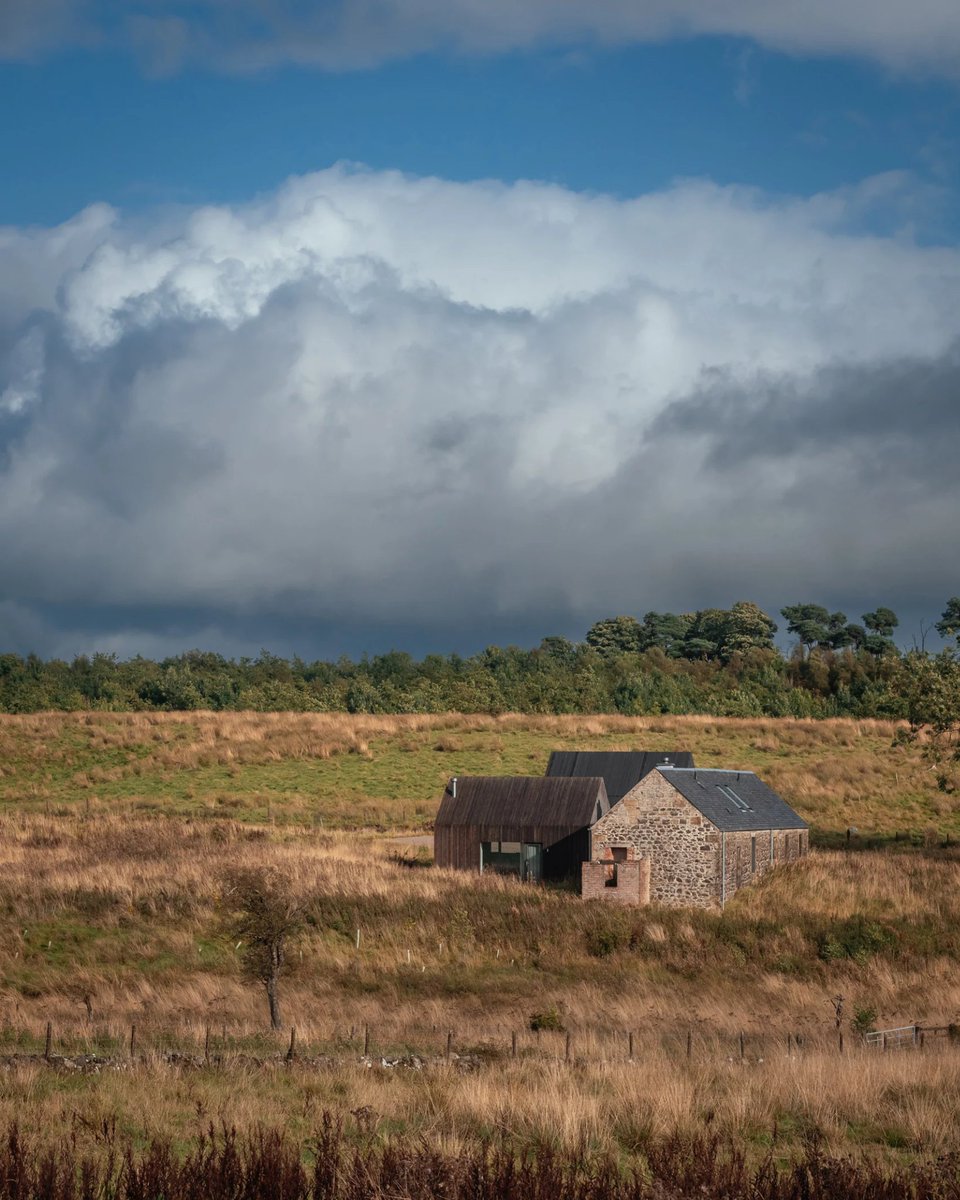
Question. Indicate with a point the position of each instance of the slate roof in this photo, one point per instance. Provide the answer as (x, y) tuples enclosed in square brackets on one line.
[(523, 800), (620, 770), (756, 806)]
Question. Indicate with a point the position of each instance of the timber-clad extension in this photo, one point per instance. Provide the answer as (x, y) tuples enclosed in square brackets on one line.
[(543, 823)]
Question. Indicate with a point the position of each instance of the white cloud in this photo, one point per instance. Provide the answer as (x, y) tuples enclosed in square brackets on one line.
[(371, 399), (254, 34)]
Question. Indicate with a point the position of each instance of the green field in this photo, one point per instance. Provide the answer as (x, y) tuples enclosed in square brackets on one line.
[(386, 774)]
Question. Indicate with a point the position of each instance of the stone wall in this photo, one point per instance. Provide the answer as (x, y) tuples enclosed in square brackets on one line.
[(632, 881), (687, 853), (750, 855), (682, 846)]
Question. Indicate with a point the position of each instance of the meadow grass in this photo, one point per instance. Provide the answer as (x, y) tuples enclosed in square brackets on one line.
[(117, 831), (385, 773)]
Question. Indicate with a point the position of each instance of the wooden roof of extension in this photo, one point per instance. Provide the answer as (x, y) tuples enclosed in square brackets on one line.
[(620, 770), (488, 800), (734, 800)]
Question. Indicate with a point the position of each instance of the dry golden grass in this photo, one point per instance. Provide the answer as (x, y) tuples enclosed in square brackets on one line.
[(127, 912), (105, 903), (879, 1105)]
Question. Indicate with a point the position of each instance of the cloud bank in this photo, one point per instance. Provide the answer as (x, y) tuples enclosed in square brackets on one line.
[(372, 408), (249, 35)]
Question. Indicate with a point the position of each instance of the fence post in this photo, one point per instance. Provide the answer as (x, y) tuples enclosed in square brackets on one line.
[(133, 1040), (630, 1045), (513, 1044), (841, 1041), (449, 1044), (741, 1047), (292, 1049), (689, 1043), (366, 1040), (48, 1045), (566, 1053), (206, 1046)]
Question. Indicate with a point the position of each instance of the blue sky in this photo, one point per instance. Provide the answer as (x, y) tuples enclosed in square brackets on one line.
[(338, 326), (86, 127)]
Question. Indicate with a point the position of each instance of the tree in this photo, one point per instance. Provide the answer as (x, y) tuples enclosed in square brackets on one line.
[(559, 650), (265, 915), (665, 631), (706, 633), (931, 687), (615, 635), (839, 633), (747, 628), (880, 625), (883, 621), (810, 624), (949, 625)]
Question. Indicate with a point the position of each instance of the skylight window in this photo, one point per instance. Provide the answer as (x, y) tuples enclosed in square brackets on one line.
[(732, 796)]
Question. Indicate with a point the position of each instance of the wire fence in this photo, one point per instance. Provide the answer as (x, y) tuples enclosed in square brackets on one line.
[(370, 1043)]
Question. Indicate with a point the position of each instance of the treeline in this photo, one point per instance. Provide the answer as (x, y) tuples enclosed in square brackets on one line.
[(718, 661)]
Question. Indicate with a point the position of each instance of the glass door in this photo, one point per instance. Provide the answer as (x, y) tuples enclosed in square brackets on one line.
[(532, 862)]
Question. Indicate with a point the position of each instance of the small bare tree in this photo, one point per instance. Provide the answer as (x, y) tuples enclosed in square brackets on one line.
[(265, 916)]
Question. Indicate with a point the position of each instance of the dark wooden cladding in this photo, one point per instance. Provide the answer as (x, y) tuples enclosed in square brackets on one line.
[(556, 813)]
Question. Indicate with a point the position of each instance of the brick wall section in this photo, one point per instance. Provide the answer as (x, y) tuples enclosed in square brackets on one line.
[(685, 849), (633, 882)]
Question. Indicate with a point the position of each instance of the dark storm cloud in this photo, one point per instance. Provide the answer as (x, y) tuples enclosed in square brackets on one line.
[(307, 424), (896, 420)]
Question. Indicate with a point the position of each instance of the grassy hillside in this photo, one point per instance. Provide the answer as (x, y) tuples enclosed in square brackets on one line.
[(116, 833), (386, 773)]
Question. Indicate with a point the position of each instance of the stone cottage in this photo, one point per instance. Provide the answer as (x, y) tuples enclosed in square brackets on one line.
[(706, 833)]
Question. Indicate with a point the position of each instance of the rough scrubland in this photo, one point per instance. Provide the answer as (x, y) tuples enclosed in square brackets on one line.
[(117, 831)]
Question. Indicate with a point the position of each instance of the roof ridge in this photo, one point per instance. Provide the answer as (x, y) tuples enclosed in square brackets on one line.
[(706, 770)]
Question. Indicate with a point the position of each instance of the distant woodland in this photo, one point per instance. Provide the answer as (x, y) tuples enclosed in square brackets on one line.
[(717, 661)]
